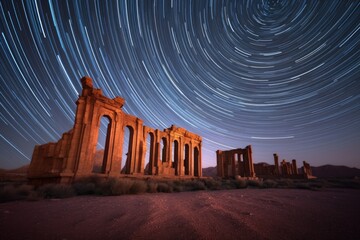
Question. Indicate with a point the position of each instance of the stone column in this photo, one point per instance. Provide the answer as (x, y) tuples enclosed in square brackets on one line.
[(276, 162), (200, 160), (232, 159), (220, 164), (294, 167)]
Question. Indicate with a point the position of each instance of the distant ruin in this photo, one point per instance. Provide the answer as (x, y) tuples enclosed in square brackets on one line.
[(239, 162), (173, 152), (284, 170), (235, 162)]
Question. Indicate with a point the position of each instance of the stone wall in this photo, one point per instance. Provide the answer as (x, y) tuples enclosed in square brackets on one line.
[(235, 162), (73, 155)]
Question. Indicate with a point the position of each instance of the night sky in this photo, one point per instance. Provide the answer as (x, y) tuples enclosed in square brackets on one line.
[(283, 76)]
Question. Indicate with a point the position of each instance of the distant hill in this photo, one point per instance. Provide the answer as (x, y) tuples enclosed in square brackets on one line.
[(209, 172), (331, 171), (326, 171)]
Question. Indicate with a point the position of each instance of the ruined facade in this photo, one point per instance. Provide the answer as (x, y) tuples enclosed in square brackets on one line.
[(235, 162), (172, 152), (283, 170)]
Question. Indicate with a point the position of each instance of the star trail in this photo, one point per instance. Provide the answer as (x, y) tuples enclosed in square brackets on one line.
[(283, 76)]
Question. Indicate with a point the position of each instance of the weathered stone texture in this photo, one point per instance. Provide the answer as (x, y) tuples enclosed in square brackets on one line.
[(235, 162), (72, 156)]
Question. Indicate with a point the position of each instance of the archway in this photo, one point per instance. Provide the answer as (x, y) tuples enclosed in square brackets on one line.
[(175, 157), (149, 155), (196, 162), (102, 145), (127, 155), (186, 160), (163, 147)]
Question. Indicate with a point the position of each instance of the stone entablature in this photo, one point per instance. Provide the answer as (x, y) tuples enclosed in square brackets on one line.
[(235, 162), (72, 156)]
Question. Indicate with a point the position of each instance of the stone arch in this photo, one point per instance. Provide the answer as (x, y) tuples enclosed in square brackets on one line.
[(128, 143), (101, 151), (163, 149), (149, 155), (175, 156), (196, 162), (186, 159)]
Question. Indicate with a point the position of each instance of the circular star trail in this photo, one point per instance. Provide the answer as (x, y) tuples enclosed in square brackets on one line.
[(283, 76)]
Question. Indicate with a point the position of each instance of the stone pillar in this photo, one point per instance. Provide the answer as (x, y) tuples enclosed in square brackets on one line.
[(276, 162), (251, 164), (181, 157), (116, 152), (191, 159), (231, 157), (200, 160), (294, 167), (220, 164)]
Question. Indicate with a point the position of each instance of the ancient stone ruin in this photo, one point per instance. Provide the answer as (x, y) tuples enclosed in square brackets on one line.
[(173, 152), (235, 162), (239, 162), (283, 170)]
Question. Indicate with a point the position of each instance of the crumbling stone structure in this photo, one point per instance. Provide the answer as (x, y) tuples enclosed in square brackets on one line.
[(284, 170), (235, 162), (173, 152)]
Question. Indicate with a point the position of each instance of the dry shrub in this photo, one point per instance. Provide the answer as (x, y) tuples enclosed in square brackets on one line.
[(84, 188), (178, 186), (195, 185), (285, 183), (269, 183), (17, 192), (212, 184), (120, 187), (241, 183), (56, 191), (165, 187), (152, 187), (138, 186), (254, 183)]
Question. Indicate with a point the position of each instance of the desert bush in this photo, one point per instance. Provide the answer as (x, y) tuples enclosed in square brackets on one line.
[(84, 188), (212, 184), (164, 187), (254, 183), (240, 183), (56, 191), (116, 187), (285, 183), (268, 183), (8, 193), (152, 187), (195, 185), (178, 186), (344, 183), (138, 186)]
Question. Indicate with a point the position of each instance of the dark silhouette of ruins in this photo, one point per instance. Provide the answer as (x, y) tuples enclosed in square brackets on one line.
[(173, 152), (238, 162), (235, 162), (283, 170)]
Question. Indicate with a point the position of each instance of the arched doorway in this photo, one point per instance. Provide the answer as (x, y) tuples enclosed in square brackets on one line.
[(163, 147), (127, 150), (186, 159), (102, 145), (149, 155), (196, 162), (175, 157)]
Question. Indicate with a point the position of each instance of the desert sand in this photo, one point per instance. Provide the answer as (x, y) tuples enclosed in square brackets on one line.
[(226, 214)]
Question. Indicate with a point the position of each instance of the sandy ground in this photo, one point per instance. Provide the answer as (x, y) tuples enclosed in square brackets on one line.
[(230, 214)]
